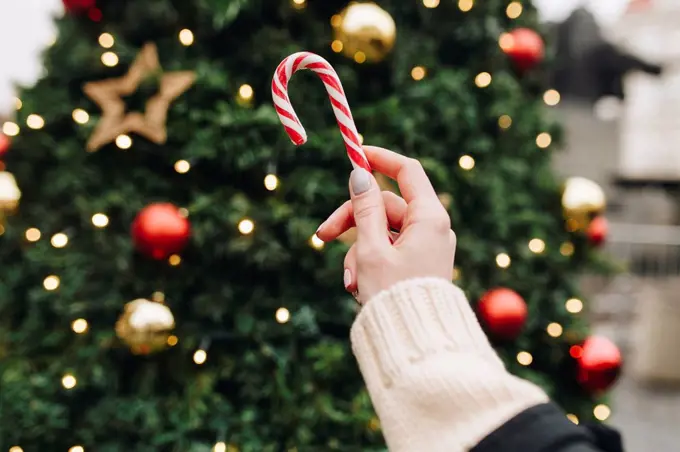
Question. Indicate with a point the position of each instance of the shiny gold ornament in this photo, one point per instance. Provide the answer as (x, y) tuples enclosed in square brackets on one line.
[(366, 31), (9, 193), (145, 326), (582, 200)]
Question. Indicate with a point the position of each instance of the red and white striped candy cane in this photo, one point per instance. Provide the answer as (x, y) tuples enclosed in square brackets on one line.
[(290, 121)]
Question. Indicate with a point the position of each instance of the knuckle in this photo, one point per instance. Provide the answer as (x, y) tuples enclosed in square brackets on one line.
[(438, 219), (414, 165), (364, 209), (453, 240)]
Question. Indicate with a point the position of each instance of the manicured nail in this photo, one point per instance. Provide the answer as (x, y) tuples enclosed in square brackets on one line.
[(347, 277), (320, 226), (360, 181)]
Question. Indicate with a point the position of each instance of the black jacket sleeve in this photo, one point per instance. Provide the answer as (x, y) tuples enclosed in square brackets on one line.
[(545, 428)]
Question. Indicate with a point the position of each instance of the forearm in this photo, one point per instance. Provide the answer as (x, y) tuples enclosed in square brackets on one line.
[(435, 381)]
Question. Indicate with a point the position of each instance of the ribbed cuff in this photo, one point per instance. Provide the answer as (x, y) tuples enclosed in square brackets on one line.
[(414, 319), (435, 381)]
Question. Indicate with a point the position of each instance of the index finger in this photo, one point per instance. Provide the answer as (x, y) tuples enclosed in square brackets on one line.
[(408, 172)]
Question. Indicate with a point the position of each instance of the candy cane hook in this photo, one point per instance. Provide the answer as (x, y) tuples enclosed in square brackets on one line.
[(290, 121)]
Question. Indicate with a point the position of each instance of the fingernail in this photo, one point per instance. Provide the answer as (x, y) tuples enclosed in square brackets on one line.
[(320, 226), (360, 181), (347, 278)]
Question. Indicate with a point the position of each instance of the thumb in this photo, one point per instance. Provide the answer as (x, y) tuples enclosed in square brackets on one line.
[(368, 207)]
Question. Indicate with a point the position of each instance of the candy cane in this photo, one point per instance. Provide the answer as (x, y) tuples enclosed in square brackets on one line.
[(290, 121)]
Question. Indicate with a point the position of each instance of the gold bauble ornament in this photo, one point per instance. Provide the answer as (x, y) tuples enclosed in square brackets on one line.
[(367, 32), (9, 193), (145, 326), (582, 200)]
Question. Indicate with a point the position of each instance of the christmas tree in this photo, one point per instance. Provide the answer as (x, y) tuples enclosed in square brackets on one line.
[(162, 288)]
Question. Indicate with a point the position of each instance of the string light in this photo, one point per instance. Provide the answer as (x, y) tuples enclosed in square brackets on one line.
[(551, 97), (430, 3), (465, 5), (271, 182), (337, 46), (158, 297), (554, 330), (316, 242), (200, 356), (336, 20), (504, 122), (100, 220), (418, 73), (80, 116), (10, 129), (183, 212), (35, 121), (282, 315), (536, 246), (51, 282), (299, 4), (17, 103), (182, 166), (506, 42), (543, 140), (602, 412), (106, 40), (360, 57), (172, 340), (466, 162), (524, 358), (573, 306), (174, 260), (79, 326), (456, 274), (567, 249), (186, 37), (59, 240), (15, 449), (573, 418), (33, 234), (76, 449), (109, 59), (514, 10), (69, 381), (483, 79), (503, 260), (220, 447), (361, 139), (123, 141), (246, 226), (245, 92)]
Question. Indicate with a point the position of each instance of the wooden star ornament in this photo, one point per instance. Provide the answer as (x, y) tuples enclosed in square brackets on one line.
[(385, 184), (151, 124)]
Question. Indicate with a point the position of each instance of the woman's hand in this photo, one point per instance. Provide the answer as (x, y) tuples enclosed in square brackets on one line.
[(425, 245)]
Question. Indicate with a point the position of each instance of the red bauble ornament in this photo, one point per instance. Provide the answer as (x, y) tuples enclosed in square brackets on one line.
[(159, 230), (503, 312), (598, 363), (4, 143), (78, 6), (597, 231), (524, 47)]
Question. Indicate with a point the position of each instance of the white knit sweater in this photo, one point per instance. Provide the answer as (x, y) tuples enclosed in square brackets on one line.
[(436, 383)]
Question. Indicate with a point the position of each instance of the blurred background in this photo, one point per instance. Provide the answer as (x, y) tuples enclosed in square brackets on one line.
[(616, 80)]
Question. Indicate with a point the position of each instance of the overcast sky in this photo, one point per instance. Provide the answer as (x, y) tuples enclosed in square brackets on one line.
[(26, 27)]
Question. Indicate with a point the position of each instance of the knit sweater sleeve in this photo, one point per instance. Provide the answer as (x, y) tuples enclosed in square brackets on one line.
[(436, 383)]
